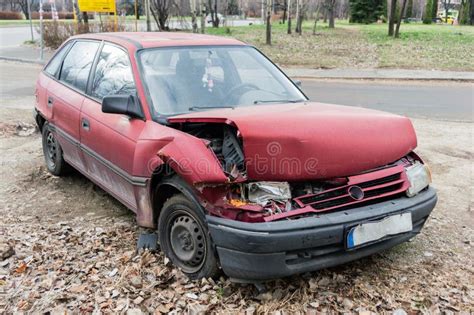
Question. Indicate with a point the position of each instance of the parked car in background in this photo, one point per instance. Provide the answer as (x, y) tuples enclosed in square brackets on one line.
[(209, 142)]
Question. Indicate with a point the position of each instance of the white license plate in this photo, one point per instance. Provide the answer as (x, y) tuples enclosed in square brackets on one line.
[(372, 231)]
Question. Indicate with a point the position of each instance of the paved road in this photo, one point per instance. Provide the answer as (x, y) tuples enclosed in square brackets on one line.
[(435, 100), (15, 36), (445, 101)]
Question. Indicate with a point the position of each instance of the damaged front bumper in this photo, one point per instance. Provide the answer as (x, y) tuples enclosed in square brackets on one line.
[(263, 251)]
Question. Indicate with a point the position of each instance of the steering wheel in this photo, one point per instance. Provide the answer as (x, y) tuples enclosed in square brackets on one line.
[(230, 96)]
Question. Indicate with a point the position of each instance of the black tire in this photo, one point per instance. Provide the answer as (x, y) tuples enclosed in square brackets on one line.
[(185, 239), (53, 153)]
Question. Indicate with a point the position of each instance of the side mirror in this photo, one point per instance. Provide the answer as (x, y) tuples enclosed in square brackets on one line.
[(122, 104), (297, 83)]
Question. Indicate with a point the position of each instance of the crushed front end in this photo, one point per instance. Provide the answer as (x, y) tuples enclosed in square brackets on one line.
[(269, 229)]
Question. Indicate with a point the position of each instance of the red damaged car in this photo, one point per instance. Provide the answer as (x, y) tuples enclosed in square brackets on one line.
[(209, 142)]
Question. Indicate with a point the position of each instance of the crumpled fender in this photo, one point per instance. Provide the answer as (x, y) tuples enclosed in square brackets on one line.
[(187, 155), (192, 160)]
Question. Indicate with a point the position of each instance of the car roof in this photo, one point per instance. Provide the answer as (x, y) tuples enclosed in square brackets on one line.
[(140, 40)]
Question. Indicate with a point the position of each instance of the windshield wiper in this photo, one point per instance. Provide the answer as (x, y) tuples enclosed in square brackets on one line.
[(277, 101), (208, 107)]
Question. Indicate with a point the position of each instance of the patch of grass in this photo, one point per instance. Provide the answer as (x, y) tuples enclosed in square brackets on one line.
[(441, 47), (421, 46), (30, 42), (329, 48)]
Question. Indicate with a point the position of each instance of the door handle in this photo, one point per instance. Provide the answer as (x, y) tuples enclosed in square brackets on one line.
[(85, 124), (50, 101)]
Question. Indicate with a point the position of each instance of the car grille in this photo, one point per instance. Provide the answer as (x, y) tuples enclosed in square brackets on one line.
[(374, 185)]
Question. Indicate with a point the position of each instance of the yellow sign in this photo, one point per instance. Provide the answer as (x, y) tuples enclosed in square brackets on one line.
[(97, 5)]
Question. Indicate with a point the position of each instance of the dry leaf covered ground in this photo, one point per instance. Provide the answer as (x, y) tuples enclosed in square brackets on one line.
[(67, 245)]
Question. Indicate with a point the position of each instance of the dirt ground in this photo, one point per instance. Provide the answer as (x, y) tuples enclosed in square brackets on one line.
[(73, 246)]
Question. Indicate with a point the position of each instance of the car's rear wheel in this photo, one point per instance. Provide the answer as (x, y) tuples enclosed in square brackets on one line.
[(185, 240), (53, 153)]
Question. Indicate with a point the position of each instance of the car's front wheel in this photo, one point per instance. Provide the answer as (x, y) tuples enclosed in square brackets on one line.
[(53, 153), (185, 239)]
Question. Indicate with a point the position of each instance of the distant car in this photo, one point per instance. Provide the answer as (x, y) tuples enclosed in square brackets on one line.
[(219, 16), (205, 139), (412, 20)]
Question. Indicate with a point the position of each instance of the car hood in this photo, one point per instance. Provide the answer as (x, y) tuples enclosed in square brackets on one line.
[(304, 141)]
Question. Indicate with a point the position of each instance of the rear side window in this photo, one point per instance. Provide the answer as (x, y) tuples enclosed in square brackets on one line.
[(78, 63), (53, 66), (113, 74)]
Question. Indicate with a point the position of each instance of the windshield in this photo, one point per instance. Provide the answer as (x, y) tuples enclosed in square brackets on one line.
[(184, 79)]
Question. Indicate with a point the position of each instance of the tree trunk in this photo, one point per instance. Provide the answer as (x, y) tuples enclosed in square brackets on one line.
[(283, 19), (446, 9), (147, 13), (434, 8), (391, 20), (192, 5), (298, 16), (269, 22), (203, 13), (85, 17), (289, 17), (397, 30), (331, 8), (300, 23), (216, 18), (24, 8), (316, 21), (471, 13)]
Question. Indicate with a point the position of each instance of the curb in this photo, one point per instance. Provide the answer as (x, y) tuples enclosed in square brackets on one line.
[(371, 78), (30, 61), (380, 74)]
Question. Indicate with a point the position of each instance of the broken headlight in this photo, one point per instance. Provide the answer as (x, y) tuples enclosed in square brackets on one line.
[(263, 192), (419, 176)]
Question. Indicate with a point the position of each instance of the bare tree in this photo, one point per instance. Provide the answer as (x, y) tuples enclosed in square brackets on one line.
[(24, 7), (331, 8), (160, 9), (316, 18), (213, 13), (202, 9), (192, 5), (269, 23), (285, 8), (289, 17), (399, 21), (299, 17), (391, 19)]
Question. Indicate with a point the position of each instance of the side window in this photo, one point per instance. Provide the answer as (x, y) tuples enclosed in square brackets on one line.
[(78, 63), (53, 66), (113, 74)]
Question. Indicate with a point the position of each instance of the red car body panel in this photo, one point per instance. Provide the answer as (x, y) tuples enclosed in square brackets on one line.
[(312, 141)]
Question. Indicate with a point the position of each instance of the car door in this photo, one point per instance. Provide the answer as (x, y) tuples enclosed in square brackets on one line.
[(108, 140), (65, 97)]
